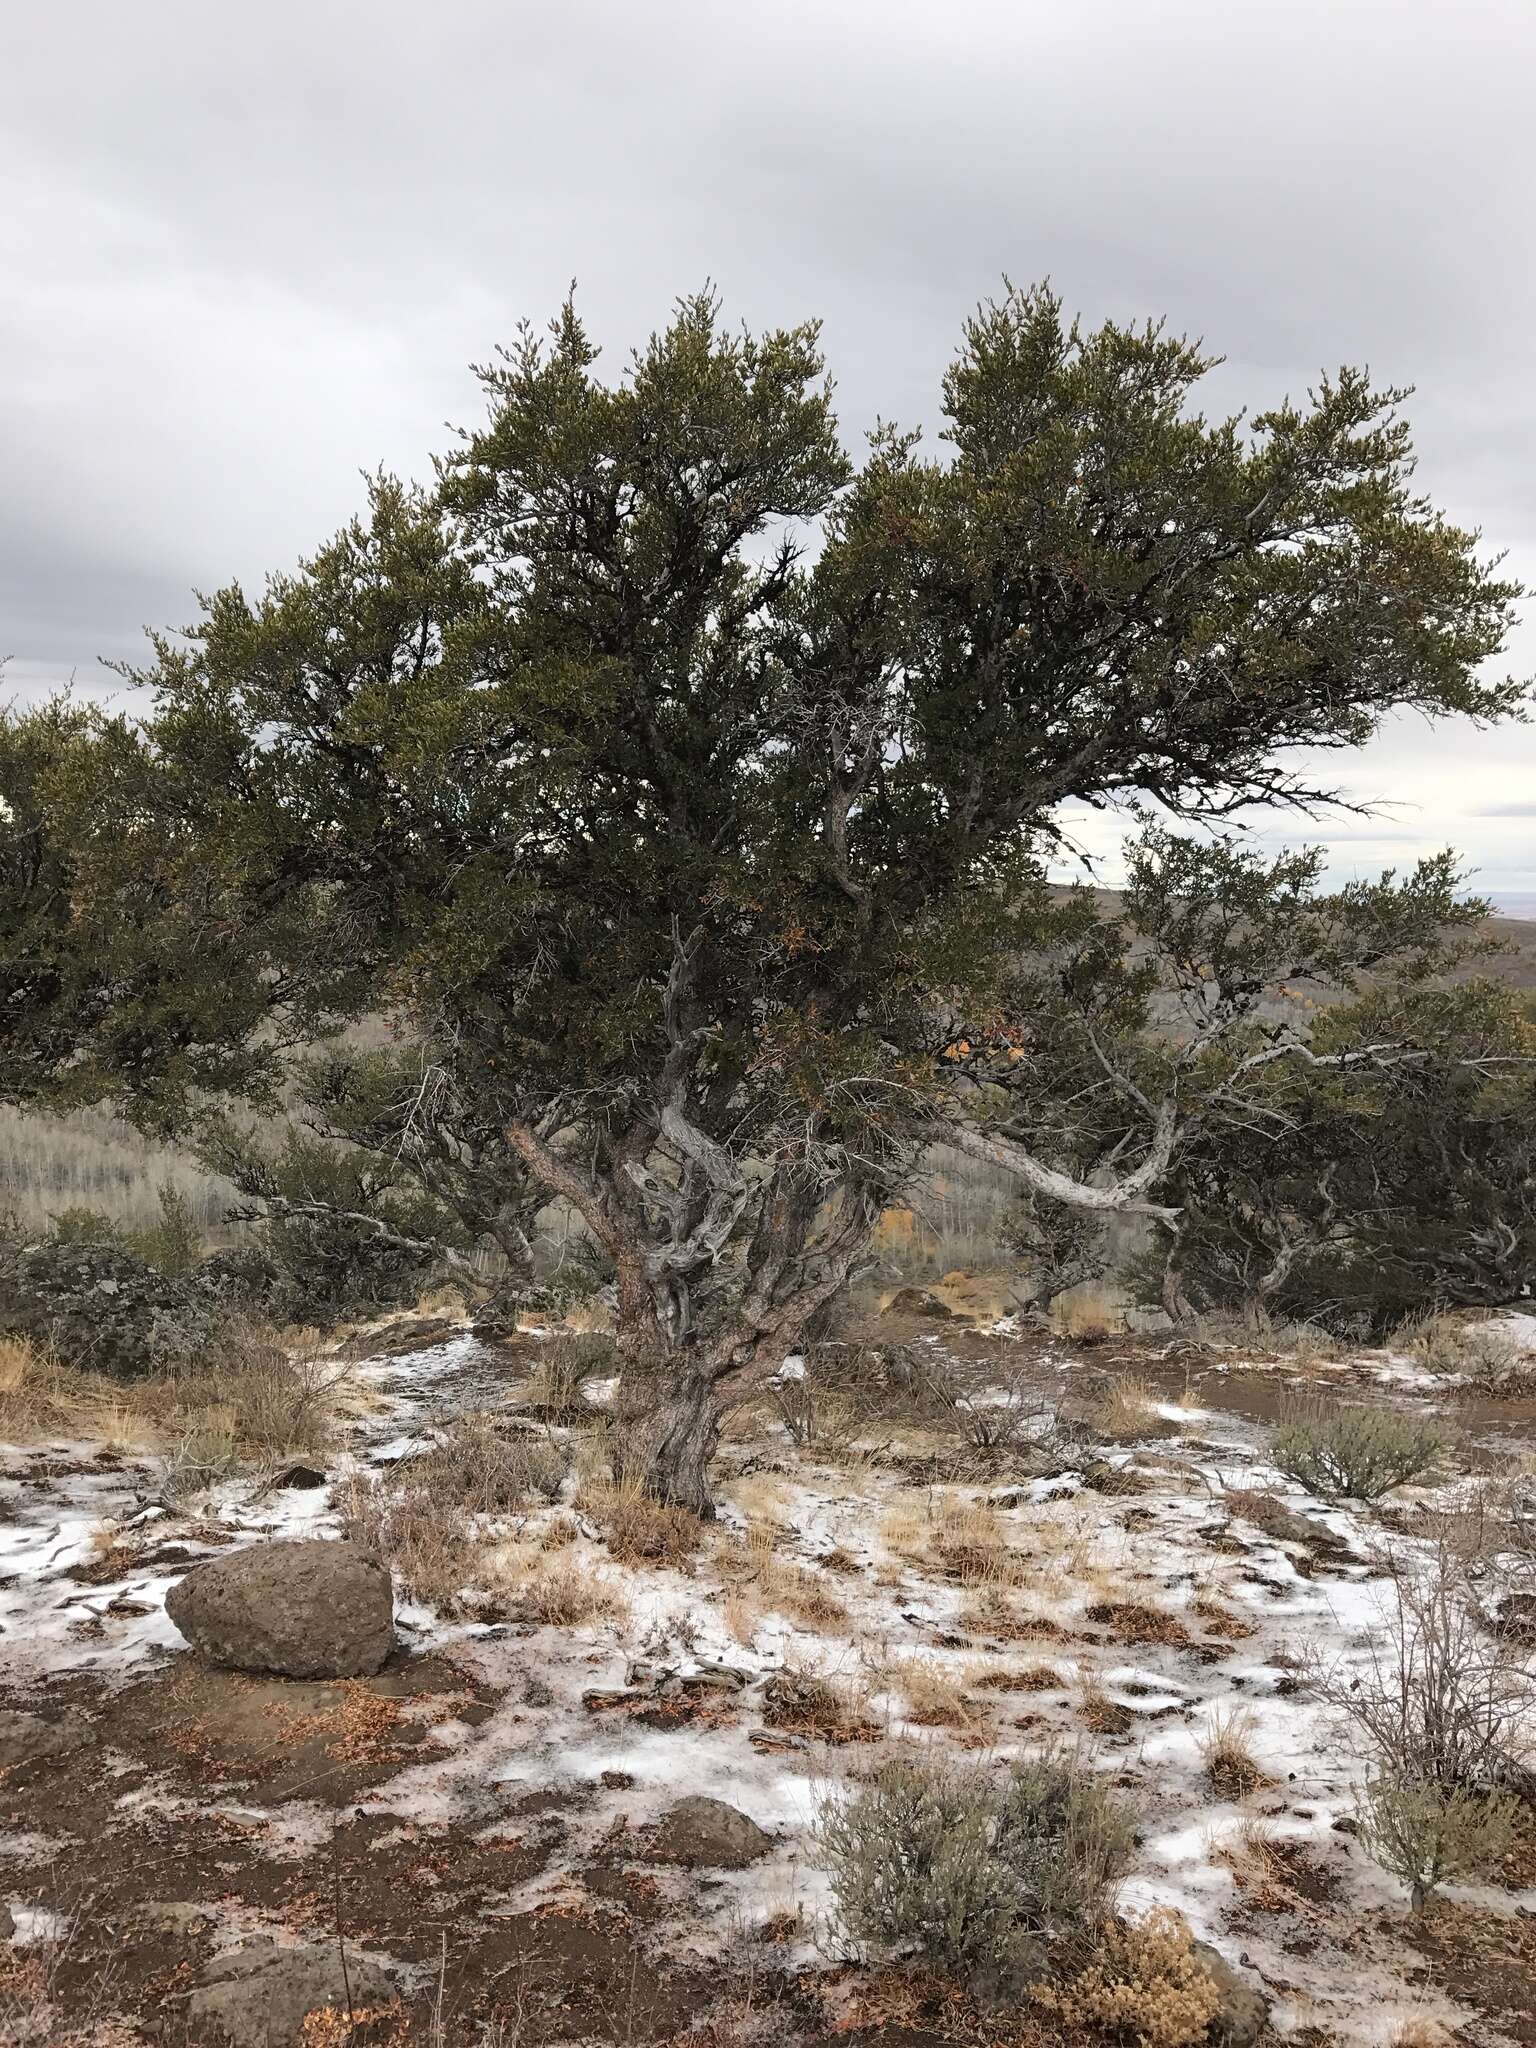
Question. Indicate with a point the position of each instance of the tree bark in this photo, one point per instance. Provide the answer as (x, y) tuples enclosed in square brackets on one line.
[(683, 1433)]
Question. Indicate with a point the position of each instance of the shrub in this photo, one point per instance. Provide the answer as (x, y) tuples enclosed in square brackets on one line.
[(1087, 1315), (969, 1867), (1361, 1452), (201, 1456), (639, 1530), (423, 1515), (483, 1470), (1066, 1839), (1125, 1409), (1426, 1833), (562, 1593), (802, 1703), (424, 1540), (1145, 1985), (566, 1362), (281, 1399), (1443, 1702)]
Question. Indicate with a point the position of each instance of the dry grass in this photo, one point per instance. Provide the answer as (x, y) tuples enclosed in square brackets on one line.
[(972, 1545), (481, 1468), (1124, 1411), (566, 1362), (1088, 1316), (991, 1612), (45, 1399), (935, 1693), (1030, 1678), (640, 1531), (803, 1595), (1101, 1715), (1229, 1762), (442, 1519), (566, 1593), (424, 1541), (1221, 1621), (267, 1398), (1129, 1621), (964, 1540), (1256, 1859), (804, 1703)]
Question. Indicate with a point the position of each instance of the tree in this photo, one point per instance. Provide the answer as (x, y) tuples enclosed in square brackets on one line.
[(682, 794), (1364, 1191), (51, 996)]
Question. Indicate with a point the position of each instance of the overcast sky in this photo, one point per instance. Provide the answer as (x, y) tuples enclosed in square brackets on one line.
[(247, 250)]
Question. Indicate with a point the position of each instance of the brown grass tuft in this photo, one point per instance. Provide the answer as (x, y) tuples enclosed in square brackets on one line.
[(1229, 1762), (1129, 1621)]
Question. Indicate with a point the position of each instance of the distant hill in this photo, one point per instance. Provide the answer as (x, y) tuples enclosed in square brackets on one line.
[(1518, 968), (1516, 965)]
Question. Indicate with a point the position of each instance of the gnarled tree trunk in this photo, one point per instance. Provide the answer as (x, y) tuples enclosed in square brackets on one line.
[(682, 1434)]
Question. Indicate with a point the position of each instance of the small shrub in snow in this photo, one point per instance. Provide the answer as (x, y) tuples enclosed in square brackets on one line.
[(1229, 1761), (1484, 1352), (1359, 1452), (566, 1362), (1427, 1833), (1125, 1410), (639, 1530), (1443, 1701), (476, 1467), (1145, 1984), (969, 1867), (201, 1456), (803, 1703)]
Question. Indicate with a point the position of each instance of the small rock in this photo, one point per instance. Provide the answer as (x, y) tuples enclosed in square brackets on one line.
[(701, 1830), (172, 1916), (258, 1995), (310, 1609), (616, 1781), (299, 1476), (1517, 1617), (1243, 2012), (918, 1301), (26, 1737)]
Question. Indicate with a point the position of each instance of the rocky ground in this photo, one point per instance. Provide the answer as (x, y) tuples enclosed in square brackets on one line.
[(577, 1801)]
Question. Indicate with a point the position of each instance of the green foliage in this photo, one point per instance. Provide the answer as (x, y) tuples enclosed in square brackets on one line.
[(1359, 1452), (173, 1245), (680, 796), (347, 1229), (1429, 1834), (966, 1865), (1377, 1187)]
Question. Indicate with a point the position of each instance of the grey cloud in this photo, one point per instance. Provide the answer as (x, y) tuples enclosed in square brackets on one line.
[(250, 251)]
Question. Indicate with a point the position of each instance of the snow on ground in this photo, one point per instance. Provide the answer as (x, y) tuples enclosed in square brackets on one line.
[(1129, 1624)]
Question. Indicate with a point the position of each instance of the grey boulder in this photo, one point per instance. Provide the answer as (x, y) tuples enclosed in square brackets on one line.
[(308, 1609), (1243, 2013), (259, 1995), (26, 1737), (705, 1831)]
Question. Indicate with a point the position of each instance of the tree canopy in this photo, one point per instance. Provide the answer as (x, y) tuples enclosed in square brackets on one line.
[(682, 791)]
